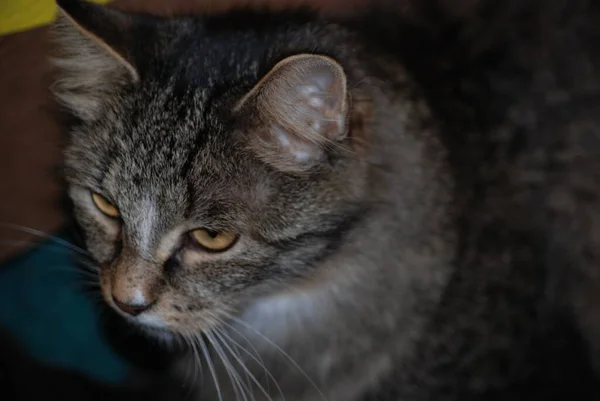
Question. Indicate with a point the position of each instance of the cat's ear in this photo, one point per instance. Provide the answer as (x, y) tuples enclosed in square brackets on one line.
[(301, 107), (92, 59)]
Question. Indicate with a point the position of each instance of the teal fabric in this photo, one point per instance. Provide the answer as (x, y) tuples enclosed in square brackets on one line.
[(43, 304)]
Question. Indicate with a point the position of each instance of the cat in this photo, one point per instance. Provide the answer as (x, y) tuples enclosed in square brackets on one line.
[(397, 203)]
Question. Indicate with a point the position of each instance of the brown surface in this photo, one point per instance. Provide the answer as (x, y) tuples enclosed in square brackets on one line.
[(29, 136), (28, 140)]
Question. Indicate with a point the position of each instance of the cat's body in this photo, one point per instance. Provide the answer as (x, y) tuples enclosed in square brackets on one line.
[(413, 198)]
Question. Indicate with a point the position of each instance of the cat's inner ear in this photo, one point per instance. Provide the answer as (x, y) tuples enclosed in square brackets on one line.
[(302, 107), (92, 60)]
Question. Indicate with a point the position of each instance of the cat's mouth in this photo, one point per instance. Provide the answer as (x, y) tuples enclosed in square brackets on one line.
[(149, 322), (160, 319), (141, 313)]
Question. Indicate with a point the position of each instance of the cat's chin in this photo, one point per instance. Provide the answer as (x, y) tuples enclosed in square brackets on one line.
[(162, 335), (153, 328)]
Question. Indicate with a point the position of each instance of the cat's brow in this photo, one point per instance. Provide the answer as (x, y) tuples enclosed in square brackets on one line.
[(147, 224)]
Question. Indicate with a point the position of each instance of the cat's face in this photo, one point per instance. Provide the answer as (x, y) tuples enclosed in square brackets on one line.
[(195, 200)]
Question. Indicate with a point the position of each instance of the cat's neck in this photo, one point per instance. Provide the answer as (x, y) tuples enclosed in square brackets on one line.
[(369, 265), (357, 291)]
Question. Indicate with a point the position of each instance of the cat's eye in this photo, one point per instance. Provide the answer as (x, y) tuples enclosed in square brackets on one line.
[(214, 241), (105, 206)]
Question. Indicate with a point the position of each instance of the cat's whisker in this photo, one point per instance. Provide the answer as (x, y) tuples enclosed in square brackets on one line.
[(91, 287), (217, 321), (87, 281), (236, 355), (84, 273), (84, 280), (196, 362), (69, 269), (234, 377), (198, 359), (200, 364), (88, 273), (248, 386), (87, 286), (189, 370), (256, 357), (88, 266), (281, 351), (232, 328), (210, 364), (224, 337), (49, 247), (260, 363), (41, 234), (86, 269)]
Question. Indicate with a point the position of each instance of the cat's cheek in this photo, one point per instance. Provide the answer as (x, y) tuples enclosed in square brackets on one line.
[(102, 249), (105, 286)]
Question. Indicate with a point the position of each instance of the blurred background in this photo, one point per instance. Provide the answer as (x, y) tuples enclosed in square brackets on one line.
[(57, 341)]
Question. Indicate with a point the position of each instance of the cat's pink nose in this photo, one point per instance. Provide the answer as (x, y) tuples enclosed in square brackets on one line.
[(131, 309)]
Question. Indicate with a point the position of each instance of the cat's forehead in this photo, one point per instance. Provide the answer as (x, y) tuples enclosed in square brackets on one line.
[(156, 142), (176, 179)]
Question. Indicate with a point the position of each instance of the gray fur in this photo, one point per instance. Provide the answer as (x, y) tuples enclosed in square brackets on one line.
[(347, 263)]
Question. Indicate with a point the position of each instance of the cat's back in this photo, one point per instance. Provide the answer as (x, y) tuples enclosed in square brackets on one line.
[(515, 89)]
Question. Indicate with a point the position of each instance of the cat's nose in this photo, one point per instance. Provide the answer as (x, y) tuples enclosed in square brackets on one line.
[(131, 309)]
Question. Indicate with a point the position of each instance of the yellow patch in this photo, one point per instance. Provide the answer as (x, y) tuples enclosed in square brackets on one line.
[(20, 15)]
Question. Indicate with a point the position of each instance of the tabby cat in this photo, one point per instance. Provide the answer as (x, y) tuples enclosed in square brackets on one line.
[(398, 203)]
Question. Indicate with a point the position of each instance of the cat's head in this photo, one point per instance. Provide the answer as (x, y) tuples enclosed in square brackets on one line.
[(208, 164)]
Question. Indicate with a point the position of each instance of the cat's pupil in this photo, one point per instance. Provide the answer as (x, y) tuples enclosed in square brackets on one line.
[(212, 234)]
